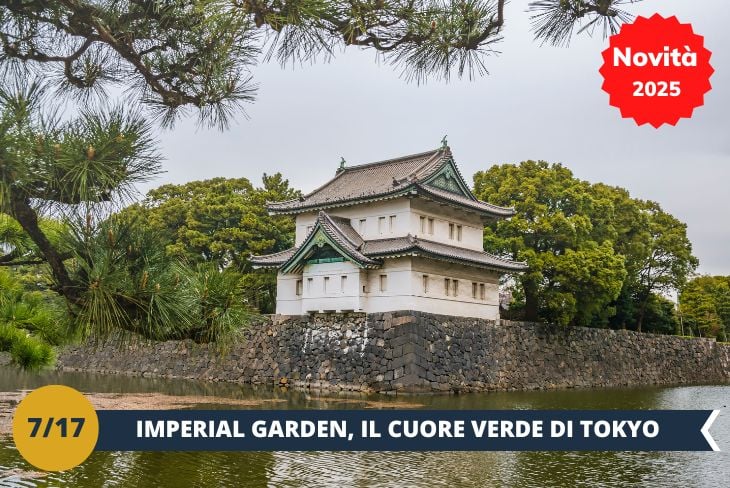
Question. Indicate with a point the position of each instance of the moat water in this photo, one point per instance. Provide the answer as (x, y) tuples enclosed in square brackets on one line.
[(366, 469)]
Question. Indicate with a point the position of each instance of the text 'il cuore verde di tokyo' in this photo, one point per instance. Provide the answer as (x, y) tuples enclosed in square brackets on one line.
[(397, 429)]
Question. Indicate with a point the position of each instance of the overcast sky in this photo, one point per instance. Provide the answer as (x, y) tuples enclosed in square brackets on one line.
[(537, 103)]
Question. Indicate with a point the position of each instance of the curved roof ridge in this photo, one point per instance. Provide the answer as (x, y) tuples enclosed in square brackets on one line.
[(443, 160), (385, 247), (391, 178), (331, 220), (493, 256), (356, 167), (272, 260), (506, 211), (333, 232), (352, 169)]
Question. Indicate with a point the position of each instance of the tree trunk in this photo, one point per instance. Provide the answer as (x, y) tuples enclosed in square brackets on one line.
[(642, 310), (531, 304), (28, 220)]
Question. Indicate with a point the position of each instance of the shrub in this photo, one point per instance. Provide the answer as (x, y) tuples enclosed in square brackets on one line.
[(31, 353)]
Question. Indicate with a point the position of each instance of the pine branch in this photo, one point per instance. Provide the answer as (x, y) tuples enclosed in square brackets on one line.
[(180, 54)]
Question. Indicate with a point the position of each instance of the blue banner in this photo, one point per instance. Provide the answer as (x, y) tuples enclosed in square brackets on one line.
[(406, 430)]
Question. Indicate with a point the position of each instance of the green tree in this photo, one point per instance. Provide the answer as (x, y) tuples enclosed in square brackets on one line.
[(223, 221), (114, 274), (660, 316), (18, 249), (705, 306), (597, 256), (31, 323), (177, 55), (669, 260), (621, 220), (180, 54), (573, 276)]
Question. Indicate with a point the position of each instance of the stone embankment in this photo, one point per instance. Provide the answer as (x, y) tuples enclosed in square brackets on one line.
[(418, 352)]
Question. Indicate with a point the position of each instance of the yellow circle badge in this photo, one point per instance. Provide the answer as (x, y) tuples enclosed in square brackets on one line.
[(55, 428)]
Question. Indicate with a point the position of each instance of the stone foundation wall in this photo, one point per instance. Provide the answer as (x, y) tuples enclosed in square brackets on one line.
[(418, 352)]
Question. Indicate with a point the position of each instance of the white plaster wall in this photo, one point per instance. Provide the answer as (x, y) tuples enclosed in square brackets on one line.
[(372, 212), (435, 300), (303, 222), (397, 295), (404, 290), (407, 214), (336, 298), (287, 300), (471, 224)]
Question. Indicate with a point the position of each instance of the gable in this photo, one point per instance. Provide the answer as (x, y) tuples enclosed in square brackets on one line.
[(326, 244), (449, 179), (318, 246), (324, 254)]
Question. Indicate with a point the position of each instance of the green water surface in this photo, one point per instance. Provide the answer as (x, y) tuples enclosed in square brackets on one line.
[(397, 469)]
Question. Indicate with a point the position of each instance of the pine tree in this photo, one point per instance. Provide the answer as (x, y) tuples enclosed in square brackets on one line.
[(180, 54)]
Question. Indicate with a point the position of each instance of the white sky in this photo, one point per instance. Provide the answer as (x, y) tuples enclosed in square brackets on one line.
[(537, 103)]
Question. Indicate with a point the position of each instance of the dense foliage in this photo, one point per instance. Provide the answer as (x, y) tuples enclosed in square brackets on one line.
[(114, 273), (705, 307), (31, 323), (179, 54), (223, 222), (176, 265), (597, 256)]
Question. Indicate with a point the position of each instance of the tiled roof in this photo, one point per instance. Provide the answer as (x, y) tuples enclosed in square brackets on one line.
[(336, 228), (369, 253), (341, 231), (414, 245), (273, 260), (385, 179), (438, 193), (343, 227)]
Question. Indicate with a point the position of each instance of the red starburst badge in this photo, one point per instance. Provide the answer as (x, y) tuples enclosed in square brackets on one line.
[(656, 70)]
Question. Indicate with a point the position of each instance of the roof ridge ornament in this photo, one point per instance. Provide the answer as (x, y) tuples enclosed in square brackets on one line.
[(342, 164), (444, 142)]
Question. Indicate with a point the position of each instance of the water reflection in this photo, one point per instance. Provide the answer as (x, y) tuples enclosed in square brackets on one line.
[(409, 469)]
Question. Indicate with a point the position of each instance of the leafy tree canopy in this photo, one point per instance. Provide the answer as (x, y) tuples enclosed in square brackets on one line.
[(705, 306), (220, 220), (596, 255), (223, 222)]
